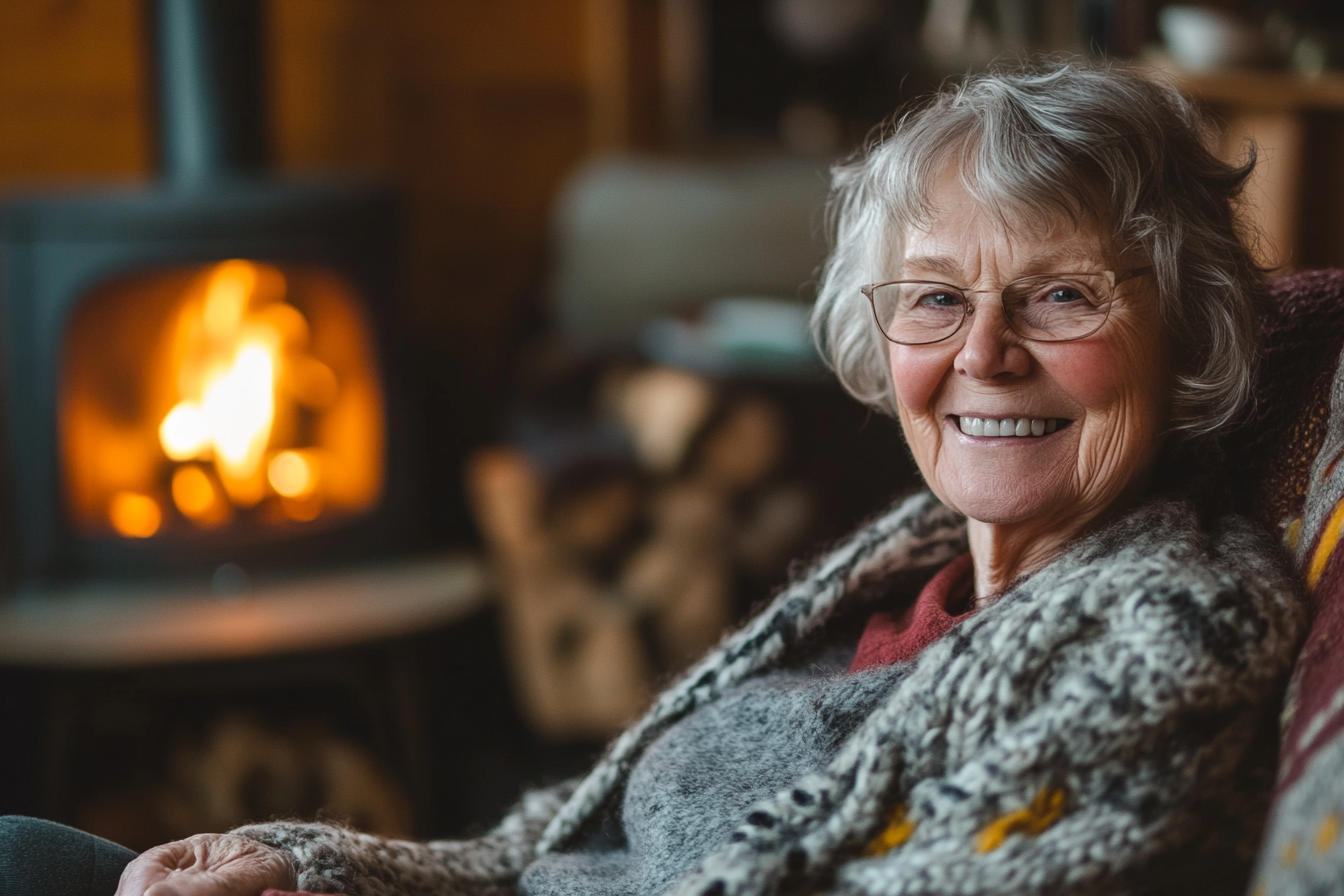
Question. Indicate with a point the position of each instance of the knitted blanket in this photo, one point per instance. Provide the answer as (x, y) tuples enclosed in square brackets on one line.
[(1290, 455), (1101, 726)]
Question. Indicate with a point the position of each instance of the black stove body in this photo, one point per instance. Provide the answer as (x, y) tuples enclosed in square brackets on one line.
[(214, 203)]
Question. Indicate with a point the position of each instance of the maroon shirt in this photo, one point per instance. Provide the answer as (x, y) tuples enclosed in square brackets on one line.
[(899, 637)]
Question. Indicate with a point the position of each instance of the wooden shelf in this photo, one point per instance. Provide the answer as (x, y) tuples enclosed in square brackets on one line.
[(1279, 113), (1263, 90), (104, 626)]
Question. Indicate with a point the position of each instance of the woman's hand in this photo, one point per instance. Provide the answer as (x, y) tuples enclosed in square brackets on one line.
[(208, 865)]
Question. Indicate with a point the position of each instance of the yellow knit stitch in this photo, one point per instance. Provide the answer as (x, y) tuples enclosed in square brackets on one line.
[(1046, 809), (1289, 855), (1293, 536), (898, 830), (1327, 833), (1325, 547)]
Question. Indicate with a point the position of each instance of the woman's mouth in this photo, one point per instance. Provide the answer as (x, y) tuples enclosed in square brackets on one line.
[(1010, 426)]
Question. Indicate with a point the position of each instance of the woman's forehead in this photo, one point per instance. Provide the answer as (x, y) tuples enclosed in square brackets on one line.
[(951, 198), (947, 245)]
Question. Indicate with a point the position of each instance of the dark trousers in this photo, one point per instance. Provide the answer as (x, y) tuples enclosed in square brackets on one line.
[(42, 858)]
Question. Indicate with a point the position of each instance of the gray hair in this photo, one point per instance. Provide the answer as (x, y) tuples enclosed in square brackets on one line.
[(1037, 142)]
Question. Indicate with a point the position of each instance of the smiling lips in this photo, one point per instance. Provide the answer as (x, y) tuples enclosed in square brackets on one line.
[(1009, 426)]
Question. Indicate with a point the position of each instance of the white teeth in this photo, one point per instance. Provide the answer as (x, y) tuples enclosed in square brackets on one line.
[(1022, 426)]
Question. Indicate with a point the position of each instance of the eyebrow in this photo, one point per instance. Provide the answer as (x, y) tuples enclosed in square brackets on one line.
[(938, 264), (946, 266)]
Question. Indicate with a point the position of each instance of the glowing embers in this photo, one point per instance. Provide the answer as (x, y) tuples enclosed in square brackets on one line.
[(231, 348), (232, 395)]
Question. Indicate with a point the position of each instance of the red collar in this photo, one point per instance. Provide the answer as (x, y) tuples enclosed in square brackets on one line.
[(899, 637)]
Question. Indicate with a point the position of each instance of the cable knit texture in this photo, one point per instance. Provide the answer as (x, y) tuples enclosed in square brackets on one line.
[(332, 859), (1102, 721)]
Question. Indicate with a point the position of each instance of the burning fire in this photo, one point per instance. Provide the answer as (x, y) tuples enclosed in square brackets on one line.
[(235, 352), (254, 418)]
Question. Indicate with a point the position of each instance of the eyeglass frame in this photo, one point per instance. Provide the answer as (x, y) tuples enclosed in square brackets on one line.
[(1114, 278)]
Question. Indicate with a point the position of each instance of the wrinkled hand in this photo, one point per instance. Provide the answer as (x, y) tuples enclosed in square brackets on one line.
[(207, 865)]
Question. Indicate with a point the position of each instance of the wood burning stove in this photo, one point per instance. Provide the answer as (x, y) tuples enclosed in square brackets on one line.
[(200, 372)]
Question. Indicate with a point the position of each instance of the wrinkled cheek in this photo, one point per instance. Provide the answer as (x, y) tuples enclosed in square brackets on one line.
[(1124, 394), (917, 373), (917, 376), (1103, 373), (1091, 374)]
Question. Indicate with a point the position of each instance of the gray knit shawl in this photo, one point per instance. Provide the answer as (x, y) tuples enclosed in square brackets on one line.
[(1135, 673)]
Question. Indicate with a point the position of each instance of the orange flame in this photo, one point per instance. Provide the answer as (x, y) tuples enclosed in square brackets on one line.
[(232, 348), (205, 397)]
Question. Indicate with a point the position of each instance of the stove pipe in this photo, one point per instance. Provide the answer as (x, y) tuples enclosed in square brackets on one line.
[(208, 56)]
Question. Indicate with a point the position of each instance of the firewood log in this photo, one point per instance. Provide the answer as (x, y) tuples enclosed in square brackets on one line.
[(579, 665), (682, 574), (663, 409), (744, 448), (593, 520), (773, 528)]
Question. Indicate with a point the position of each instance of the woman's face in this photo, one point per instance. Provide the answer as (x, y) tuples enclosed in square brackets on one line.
[(1107, 393)]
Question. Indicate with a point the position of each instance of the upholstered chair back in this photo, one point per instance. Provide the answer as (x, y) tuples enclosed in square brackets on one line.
[(1288, 467)]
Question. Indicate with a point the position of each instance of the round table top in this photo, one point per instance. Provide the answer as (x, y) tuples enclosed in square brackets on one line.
[(128, 624)]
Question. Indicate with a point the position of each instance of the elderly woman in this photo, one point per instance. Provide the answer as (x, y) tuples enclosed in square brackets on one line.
[(1057, 670)]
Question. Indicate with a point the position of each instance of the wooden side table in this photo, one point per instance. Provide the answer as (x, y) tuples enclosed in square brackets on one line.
[(126, 625), (343, 630)]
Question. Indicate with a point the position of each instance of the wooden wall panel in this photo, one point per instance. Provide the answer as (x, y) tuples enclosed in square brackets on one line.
[(329, 86), (72, 91), (475, 110)]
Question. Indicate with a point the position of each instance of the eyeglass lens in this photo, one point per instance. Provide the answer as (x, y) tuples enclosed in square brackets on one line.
[(1049, 308)]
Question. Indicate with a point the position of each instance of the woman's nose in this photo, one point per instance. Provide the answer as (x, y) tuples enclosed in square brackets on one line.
[(990, 350)]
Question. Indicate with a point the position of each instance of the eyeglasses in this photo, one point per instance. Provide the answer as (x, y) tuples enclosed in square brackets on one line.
[(1041, 308)]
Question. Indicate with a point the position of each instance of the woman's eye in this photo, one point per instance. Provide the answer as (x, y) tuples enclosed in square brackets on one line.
[(941, 299), (1062, 294)]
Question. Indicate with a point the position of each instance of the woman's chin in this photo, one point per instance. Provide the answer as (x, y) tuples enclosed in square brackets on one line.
[(999, 515), (1005, 503)]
